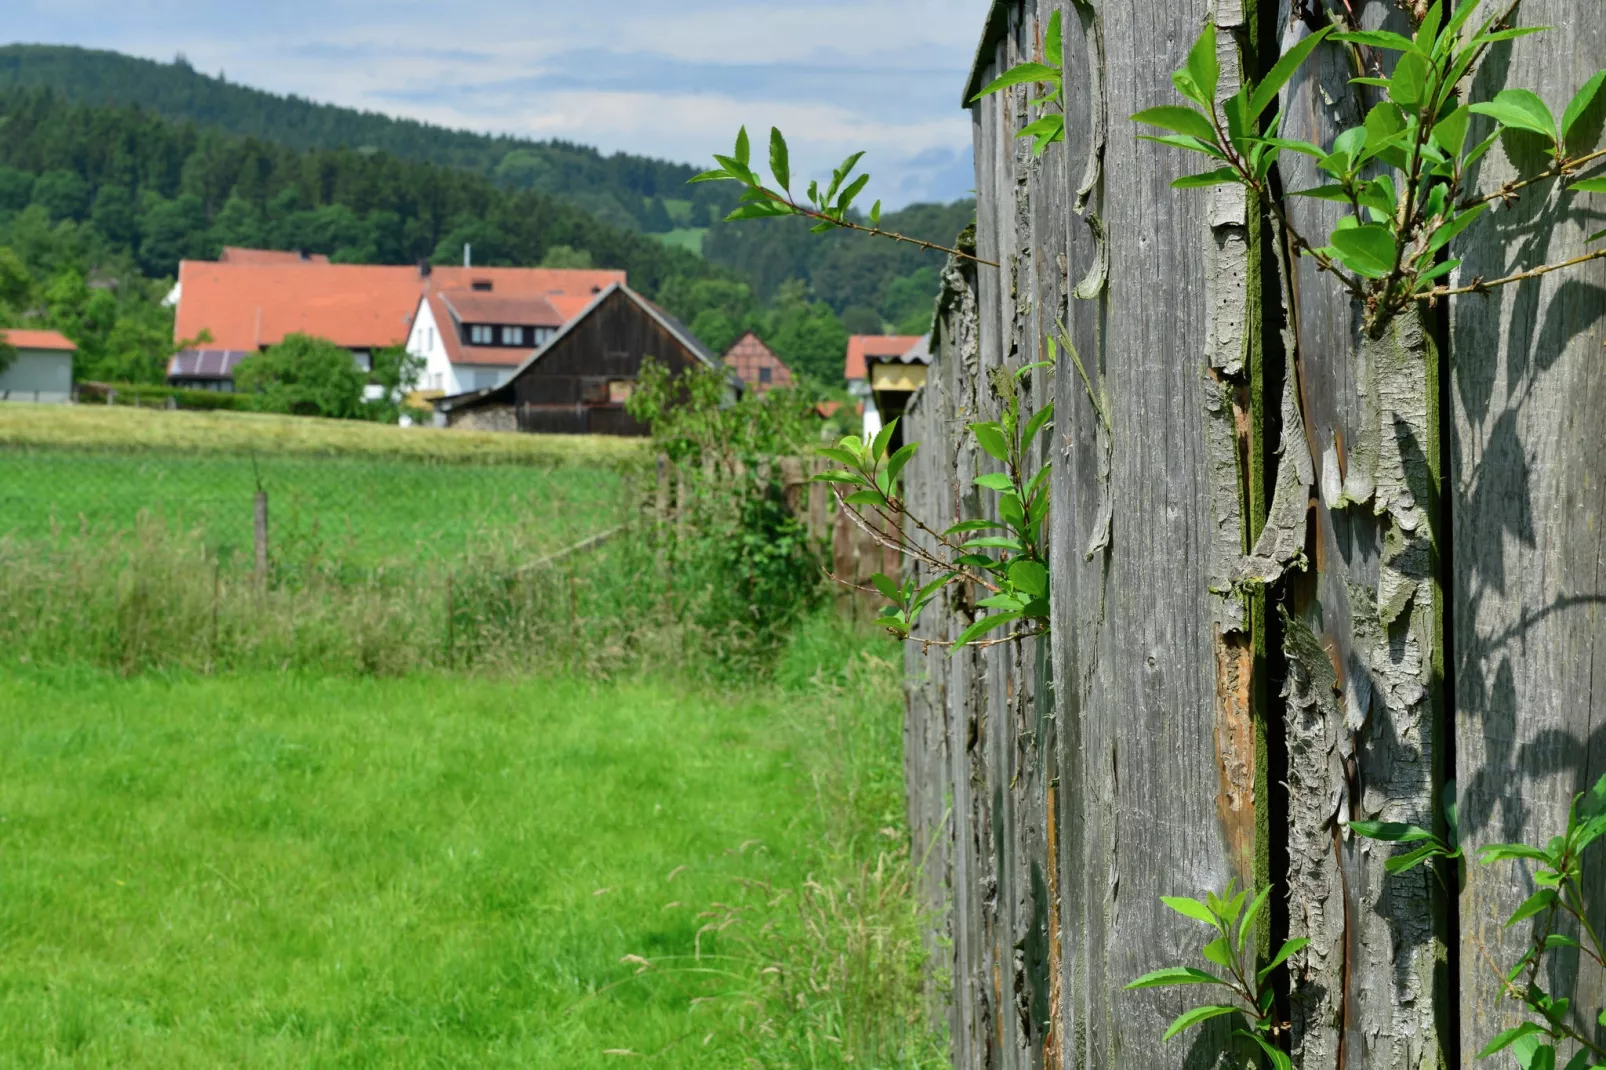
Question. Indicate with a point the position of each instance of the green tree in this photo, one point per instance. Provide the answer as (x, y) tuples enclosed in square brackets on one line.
[(566, 256), (303, 376)]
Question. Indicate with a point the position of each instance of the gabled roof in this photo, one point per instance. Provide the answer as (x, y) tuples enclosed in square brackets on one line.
[(693, 344), (861, 347), (748, 354), (52, 340), (233, 254), (919, 353), (248, 306), (471, 306)]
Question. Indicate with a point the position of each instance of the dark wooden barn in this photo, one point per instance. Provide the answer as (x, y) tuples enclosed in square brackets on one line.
[(579, 381)]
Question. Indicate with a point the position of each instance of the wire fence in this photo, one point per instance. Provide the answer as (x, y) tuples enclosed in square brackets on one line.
[(361, 514)]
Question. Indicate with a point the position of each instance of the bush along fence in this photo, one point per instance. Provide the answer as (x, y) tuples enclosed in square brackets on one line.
[(1323, 531)]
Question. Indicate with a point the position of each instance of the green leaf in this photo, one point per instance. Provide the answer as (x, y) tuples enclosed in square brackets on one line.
[(1555, 940), (1504, 1040), (1279, 1058), (982, 627), (998, 481), (1314, 151), (780, 160), (895, 624), (1044, 132), (1180, 119), (1021, 74), (853, 191), (1183, 141), (744, 150), (1187, 88), (991, 438), (1521, 109), (1190, 1018), (993, 542), (1291, 947), (1030, 576), (1427, 33), (1539, 901), (1450, 132), (1325, 193), (1035, 425), (1463, 12), (875, 215), (1589, 185), (878, 448), (1221, 176), (720, 175), (1442, 235), (1437, 271), (1218, 952), (1284, 69), (1496, 852), (1532, 1055), (1191, 908), (888, 589), (1507, 35), (1377, 39), (1409, 81), (757, 210), (1390, 831), (1367, 249), (1203, 66), (865, 498), (1012, 602), (899, 459), (1411, 859), (971, 525), (1580, 104), (1054, 41), (1175, 975)]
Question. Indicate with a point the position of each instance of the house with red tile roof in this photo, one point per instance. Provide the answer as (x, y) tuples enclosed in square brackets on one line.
[(865, 350), (39, 366), (757, 364), (471, 326)]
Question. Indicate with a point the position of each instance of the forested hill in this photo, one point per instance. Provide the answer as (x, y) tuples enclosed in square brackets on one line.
[(628, 191)]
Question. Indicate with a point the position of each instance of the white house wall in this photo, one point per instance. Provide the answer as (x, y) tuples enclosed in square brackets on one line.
[(426, 342), (38, 375)]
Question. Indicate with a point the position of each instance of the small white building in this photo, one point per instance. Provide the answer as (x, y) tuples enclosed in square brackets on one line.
[(41, 369), (473, 338)]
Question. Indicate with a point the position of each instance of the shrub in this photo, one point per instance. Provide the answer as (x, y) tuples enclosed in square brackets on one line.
[(303, 376)]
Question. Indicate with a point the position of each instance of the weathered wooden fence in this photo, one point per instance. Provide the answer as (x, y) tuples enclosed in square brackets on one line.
[(1425, 513)]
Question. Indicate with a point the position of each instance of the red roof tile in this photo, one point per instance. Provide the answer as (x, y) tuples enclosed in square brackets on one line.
[(18, 339), (863, 346), (532, 311), (248, 306)]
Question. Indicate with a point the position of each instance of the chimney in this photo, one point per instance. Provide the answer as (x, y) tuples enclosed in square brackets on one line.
[(424, 269), (468, 255)]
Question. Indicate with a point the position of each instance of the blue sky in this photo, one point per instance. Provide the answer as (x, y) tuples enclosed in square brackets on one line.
[(666, 79)]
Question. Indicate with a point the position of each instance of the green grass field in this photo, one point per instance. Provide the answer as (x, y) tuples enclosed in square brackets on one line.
[(271, 871), (688, 238), (360, 511)]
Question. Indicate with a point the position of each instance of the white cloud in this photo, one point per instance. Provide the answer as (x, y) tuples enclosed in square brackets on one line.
[(646, 76)]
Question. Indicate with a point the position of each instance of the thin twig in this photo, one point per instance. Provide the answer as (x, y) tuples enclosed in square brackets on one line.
[(1562, 169), (1478, 286), (847, 224)]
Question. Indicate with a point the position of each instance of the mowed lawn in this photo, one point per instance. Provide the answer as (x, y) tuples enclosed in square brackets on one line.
[(432, 872)]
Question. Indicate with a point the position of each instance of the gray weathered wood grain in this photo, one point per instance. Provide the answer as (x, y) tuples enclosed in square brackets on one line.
[(1527, 465)]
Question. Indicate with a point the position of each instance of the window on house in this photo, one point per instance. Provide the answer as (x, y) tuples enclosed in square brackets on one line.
[(543, 335), (481, 335), (619, 390), (512, 336), (431, 335), (766, 375), (482, 285)]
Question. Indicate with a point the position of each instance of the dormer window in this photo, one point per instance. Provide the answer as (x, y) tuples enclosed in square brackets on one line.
[(482, 286), (481, 335), (512, 336)]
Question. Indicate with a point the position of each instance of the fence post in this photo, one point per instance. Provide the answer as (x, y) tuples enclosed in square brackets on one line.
[(819, 500), (663, 488), (261, 532), (793, 485)]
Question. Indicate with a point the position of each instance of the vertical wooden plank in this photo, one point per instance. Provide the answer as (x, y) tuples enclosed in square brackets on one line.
[(1362, 722), (1526, 469)]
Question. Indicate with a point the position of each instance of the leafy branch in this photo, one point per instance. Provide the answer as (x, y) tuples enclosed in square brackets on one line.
[(1050, 127), (1006, 557), (1402, 172), (1231, 952), (828, 208)]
